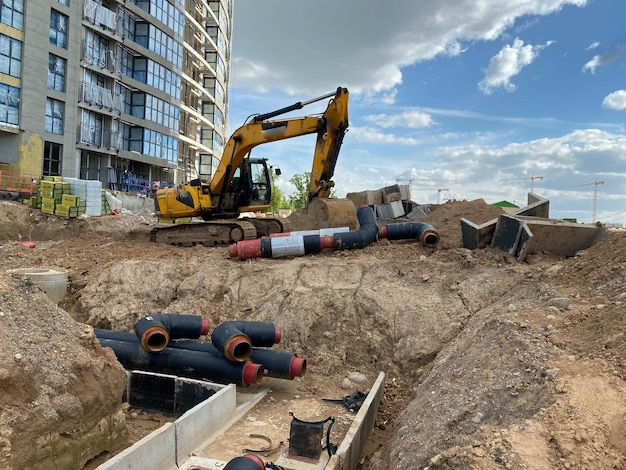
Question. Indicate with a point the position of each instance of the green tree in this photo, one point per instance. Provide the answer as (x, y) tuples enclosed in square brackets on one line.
[(279, 200), (300, 197)]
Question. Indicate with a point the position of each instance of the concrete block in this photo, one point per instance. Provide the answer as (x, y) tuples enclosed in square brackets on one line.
[(368, 198), (156, 451), (391, 194), (537, 207), (384, 211), (474, 236), (507, 233), (204, 421), (405, 192), (556, 236)]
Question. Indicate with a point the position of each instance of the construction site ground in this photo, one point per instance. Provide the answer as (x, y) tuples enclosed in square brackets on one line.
[(491, 363)]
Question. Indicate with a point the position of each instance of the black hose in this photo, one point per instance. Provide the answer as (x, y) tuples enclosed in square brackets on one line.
[(363, 236)]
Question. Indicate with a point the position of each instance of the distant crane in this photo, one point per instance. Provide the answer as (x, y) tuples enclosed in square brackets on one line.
[(410, 181), (439, 191), (595, 183), (532, 180)]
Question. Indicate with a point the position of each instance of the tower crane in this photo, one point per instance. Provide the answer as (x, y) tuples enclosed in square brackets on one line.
[(439, 191), (532, 180), (595, 184)]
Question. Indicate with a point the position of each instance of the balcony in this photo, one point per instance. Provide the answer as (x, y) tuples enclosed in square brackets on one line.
[(102, 97), (98, 57), (99, 15), (100, 138)]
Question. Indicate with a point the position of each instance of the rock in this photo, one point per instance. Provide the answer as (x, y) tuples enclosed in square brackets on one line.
[(357, 378), (559, 302)]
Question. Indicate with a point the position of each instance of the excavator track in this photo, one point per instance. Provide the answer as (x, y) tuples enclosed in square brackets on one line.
[(218, 232), (215, 232)]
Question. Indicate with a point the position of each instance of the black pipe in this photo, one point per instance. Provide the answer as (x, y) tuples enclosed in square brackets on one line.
[(246, 462), (185, 363), (156, 330), (277, 364), (363, 236), (421, 231), (235, 339)]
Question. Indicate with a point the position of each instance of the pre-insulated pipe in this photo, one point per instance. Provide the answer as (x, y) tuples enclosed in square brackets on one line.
[(245, 462), (277, 364), (322, 232), (185, 363), (421, 231), (156, 330), (298, 245), (235, 339)]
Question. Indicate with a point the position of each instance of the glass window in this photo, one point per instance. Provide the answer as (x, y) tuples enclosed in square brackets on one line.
[(52, 156), (58, 29), (54, 116), (9, 105), (10, 56), (12, 13), (56, 72)]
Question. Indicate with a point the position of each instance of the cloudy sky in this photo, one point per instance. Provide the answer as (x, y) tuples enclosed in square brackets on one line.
[(463, 99)]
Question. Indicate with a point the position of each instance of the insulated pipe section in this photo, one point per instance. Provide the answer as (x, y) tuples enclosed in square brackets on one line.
[(368, 233), (246, 462), (155, 331), (299, 245), (421, 231), (277, 364), (186, 363), (235, 339), (323, 232)]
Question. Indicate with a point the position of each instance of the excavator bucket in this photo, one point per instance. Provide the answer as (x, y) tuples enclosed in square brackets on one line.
[(325, 213)]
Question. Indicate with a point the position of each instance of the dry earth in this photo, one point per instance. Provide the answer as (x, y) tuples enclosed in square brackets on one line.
[(490, 363)]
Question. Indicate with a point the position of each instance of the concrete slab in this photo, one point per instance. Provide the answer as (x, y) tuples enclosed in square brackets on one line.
[(507, 233), (155, 451), (537, 207), (475, 236), (556, 236)]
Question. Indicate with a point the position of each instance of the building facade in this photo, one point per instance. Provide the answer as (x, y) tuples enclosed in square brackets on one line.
[(125, 92)]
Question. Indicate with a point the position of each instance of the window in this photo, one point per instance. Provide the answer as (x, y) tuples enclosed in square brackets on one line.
[(56, 72), (54, 116), (12, 13), (52, 154), (10, 56), (9, 105), (64, 2), (91, 128), (58, 29)]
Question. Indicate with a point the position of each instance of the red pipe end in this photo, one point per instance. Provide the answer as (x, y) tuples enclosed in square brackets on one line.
[(252, 374), (297, 367), (205, 327), (238, 348), (429, 238), (232, 250), (277, 334), (256, 460), (155, 339), (383, 231), (247, 249)]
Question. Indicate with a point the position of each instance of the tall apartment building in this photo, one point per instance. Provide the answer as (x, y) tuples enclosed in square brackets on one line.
[(124, 92)]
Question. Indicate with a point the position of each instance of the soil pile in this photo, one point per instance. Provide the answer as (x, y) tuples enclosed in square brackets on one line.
[(490, 363)]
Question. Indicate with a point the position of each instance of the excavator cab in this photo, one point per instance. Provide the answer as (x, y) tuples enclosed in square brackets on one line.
[(250, 188)]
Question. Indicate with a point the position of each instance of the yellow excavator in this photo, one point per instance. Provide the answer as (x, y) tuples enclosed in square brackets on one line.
[(242, 184)]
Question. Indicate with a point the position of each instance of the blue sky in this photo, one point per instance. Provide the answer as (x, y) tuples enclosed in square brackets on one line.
[(467, 99)]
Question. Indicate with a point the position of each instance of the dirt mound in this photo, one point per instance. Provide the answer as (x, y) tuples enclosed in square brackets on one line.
[(490, 363)]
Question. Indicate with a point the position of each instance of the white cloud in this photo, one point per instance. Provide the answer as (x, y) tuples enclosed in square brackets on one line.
[(310, 47), (375, 136), (615, 100), (593, 64), (410, 119), (507, 63), (593, 45)]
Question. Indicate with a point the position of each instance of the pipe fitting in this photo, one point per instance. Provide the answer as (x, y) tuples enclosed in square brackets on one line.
[(421, 231), (245, 462), (155, 331), (235, 339)]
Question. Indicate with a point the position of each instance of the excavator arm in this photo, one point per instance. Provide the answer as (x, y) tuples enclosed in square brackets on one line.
[(330, 128)]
